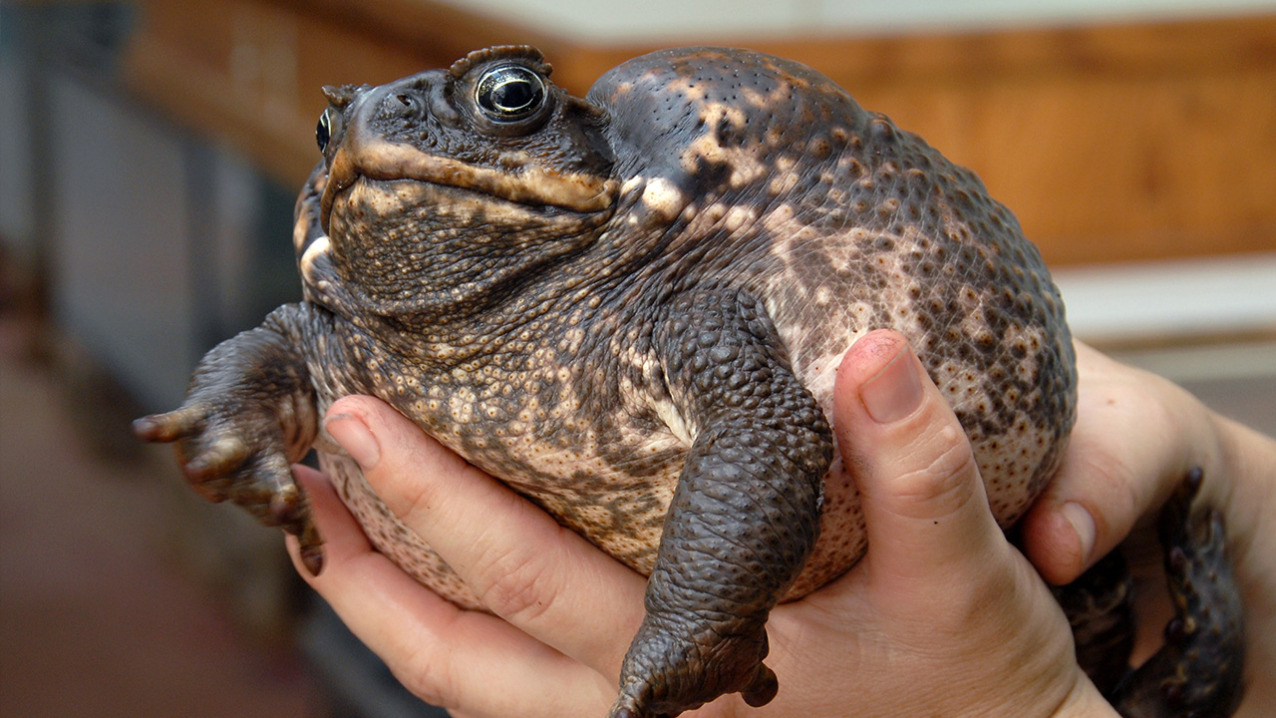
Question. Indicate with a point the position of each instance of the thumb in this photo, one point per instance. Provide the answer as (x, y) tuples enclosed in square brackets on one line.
[(924, 504)]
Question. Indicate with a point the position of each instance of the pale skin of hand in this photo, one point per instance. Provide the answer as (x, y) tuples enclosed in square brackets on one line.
[(1136, 436), (880, 639)]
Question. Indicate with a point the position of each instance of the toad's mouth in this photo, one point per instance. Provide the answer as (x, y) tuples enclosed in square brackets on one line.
[(378, 159)]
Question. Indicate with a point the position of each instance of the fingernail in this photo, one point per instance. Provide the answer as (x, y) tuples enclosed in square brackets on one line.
[(353, 436), (1083, 523), (895, 392)]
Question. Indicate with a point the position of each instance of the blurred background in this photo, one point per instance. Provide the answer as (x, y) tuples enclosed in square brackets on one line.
[(150, 152)]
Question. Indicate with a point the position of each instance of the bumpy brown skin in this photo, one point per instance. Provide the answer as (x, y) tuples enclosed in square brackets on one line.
[(631, 308)]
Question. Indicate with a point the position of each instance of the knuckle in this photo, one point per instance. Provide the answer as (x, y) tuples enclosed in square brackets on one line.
[(418, 489), (942, 468), (953, 457), (413, 502), (1108, 486), (427, 675), (515, 584)]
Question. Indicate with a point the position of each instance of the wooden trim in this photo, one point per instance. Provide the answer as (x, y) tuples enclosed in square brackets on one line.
[(1111, 142)]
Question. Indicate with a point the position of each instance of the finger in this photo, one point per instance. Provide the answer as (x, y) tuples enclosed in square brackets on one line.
[(1084, 513), (924, 504), (524, 567), (445, 655)]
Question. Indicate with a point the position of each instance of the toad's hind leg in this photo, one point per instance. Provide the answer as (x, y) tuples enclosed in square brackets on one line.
[(1199, 671)]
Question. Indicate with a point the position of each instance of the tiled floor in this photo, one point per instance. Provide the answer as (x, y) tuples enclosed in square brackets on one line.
[(94, 619)]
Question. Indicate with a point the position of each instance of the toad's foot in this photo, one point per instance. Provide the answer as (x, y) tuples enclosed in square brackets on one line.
[(249, 415), (224, 460), (669, 670), (1199, 671)]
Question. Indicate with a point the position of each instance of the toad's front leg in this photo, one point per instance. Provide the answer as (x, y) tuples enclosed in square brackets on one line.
[(249, 414), (744, 516)]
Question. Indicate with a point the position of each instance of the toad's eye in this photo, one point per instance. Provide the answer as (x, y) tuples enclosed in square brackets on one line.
[(509, 93), (323, 133)]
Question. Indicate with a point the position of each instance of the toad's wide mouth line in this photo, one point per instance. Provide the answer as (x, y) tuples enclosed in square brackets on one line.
[(526, 185)]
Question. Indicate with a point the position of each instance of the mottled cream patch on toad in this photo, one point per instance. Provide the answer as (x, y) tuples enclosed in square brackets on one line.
[(300, 233), (743, 163), (688, 87), (625, 520), (662, 197), (317, 252)]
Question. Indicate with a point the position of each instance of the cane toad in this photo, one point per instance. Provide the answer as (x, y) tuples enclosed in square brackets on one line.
[(631, 308)]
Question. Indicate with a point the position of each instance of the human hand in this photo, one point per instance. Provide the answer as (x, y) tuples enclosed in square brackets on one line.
[(1136, 436), (941, 617)]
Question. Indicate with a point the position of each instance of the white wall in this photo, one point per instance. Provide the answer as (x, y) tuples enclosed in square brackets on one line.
[(120, 260), (618, 20)]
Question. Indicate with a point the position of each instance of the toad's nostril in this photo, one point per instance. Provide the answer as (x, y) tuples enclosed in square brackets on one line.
[(405, 99)]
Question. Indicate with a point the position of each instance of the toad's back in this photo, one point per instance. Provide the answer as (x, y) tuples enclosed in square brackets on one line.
[(773, 179)]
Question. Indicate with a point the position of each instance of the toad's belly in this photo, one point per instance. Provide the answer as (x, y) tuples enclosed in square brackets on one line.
[(390, 536), (633, 540)]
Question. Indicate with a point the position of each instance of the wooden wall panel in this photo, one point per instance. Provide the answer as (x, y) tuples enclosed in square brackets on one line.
[(1115, 169), (250, 73), (1111, 142)]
